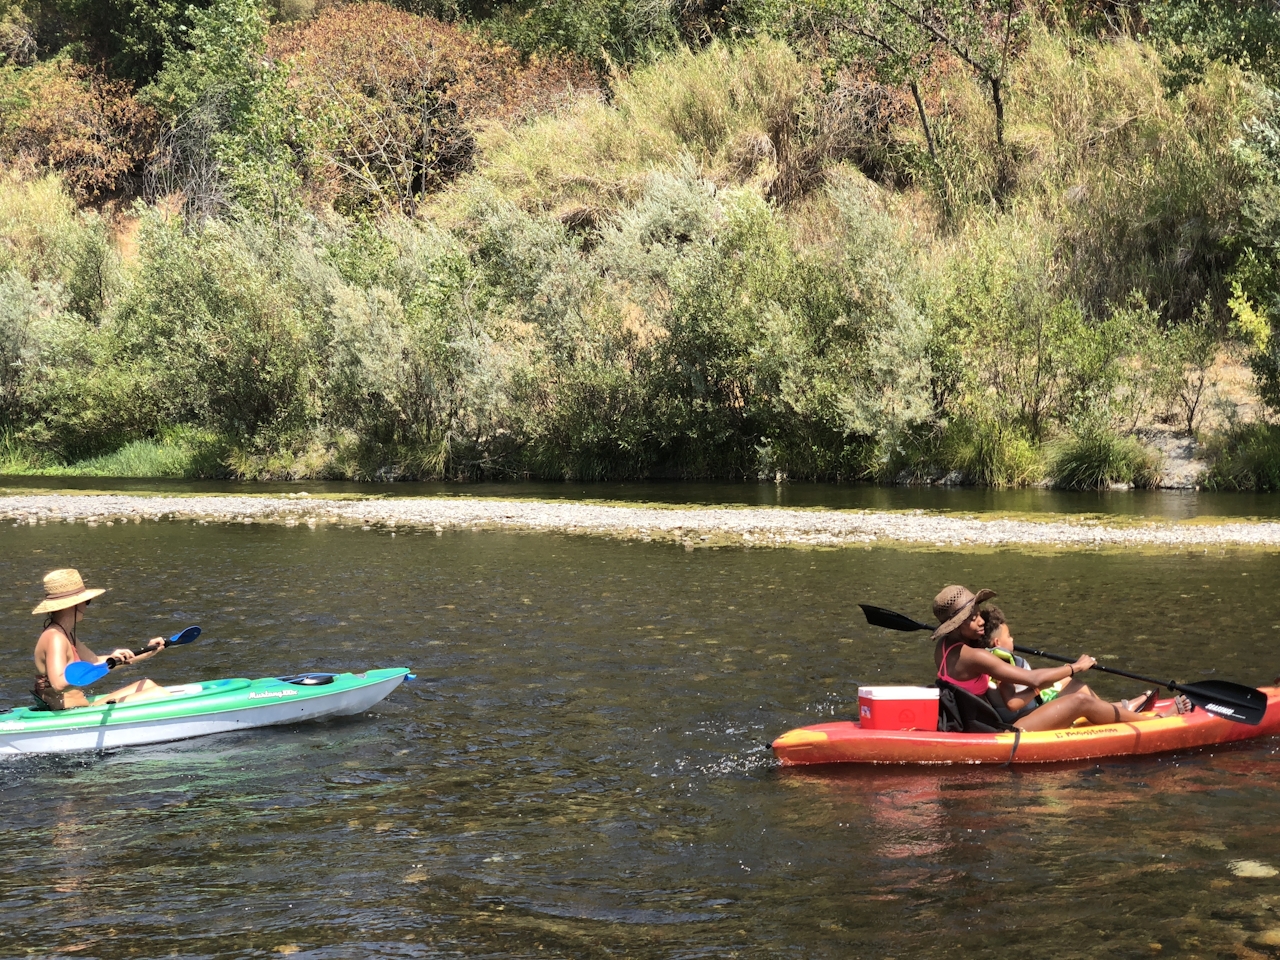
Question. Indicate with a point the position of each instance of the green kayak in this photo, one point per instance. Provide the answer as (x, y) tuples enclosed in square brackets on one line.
[(195, 710)]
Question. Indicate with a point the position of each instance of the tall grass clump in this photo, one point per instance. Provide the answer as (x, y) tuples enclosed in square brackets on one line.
[(729, 108), (45, 238), (139, 458), (1098, 458), (1245, 457), (992, 454)]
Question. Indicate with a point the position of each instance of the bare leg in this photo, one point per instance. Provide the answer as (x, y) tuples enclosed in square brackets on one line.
[(1075, 686), (1065, 710), (138, 690), (1079, 686)]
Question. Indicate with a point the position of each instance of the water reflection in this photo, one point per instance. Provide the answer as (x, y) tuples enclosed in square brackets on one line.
[(1162, 504)]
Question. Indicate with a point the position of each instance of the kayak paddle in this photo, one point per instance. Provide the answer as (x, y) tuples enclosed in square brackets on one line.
[(1222, 698), (81, 674)]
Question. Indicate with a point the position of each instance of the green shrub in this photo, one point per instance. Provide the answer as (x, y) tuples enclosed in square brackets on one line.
[(1097, 458), (22, 306), (1009, 345), (232, 134), (601, 32), (80, 400), (212, 325), (1196, 34), (772, 355), (132, 38)]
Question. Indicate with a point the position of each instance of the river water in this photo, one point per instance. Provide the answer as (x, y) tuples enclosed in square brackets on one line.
[(581, 770), (1156, 504)]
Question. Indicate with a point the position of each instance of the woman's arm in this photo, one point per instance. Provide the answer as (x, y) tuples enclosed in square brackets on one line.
[(1016, 695), (120, 655), (155, 643), (985, 662), (56, 660)]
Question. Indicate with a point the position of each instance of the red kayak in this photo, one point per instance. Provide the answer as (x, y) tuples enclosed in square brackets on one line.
[(848, 742)]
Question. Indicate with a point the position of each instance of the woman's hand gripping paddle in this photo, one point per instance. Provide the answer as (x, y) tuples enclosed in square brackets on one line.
[(1221, 698), (81, 674)]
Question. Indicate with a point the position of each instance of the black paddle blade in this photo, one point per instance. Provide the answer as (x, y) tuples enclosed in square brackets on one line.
[(186, 636), (880, 617), (1231, 701)]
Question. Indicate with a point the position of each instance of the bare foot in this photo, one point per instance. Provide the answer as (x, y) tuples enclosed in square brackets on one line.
[(1140, 703), (1180, 705)]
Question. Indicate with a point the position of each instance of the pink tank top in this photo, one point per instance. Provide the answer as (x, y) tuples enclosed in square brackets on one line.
[(977, 686)]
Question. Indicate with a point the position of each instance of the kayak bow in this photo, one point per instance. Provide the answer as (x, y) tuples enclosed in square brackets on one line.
[(196, 710), (847, 742)]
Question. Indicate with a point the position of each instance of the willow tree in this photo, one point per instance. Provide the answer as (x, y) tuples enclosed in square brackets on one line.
[(900, 39)]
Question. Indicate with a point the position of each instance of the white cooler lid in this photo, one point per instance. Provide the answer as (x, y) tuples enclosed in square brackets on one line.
[(897, 693)]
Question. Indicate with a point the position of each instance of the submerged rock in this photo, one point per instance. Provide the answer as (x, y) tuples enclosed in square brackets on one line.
[(1252, 868)]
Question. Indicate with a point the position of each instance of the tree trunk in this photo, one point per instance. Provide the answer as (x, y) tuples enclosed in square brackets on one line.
[(924, 121), (997, 100)]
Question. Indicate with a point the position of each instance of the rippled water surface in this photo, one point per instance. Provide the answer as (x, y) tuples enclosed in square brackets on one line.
[(580, 769)]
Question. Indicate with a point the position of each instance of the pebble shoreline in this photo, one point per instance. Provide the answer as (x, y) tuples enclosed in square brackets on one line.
[(692, 526)]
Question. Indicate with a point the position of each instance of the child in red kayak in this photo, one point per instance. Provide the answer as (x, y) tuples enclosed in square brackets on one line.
[(1014, 696), (66, 601)]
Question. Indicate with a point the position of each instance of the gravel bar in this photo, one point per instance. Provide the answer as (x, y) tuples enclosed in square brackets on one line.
[(694, 526)]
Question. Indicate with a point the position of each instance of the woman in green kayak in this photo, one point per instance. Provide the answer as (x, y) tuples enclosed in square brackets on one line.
[(65, 602), (965, 662)]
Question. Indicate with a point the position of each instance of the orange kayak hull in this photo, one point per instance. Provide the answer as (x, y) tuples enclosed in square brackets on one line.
[(847, 742)]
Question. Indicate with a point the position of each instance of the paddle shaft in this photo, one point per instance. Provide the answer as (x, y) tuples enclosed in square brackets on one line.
[(81, 674), (112, 662), (177, 640), (1170, 684)]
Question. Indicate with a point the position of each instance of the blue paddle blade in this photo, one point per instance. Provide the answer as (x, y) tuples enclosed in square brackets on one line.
[(186, 636), (81, 674)]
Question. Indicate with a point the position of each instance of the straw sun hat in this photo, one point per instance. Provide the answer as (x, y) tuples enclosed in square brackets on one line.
[(954, 605), (62, 589)]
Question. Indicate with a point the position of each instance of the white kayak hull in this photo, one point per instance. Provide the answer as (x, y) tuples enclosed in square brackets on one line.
[(257, 703)]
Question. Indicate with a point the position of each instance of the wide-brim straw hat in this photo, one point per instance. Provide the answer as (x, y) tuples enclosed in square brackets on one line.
[(954, 605), (62, 589)]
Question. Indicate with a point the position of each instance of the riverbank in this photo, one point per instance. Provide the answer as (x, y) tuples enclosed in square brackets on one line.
[(693, 527)]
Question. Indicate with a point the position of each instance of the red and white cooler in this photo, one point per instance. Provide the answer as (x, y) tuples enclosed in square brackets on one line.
[(898, 708)]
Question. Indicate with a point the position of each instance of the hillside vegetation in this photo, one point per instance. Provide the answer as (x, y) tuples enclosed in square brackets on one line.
[(995, 242)]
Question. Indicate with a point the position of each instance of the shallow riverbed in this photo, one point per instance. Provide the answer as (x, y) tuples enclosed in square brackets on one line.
[(580, 769)]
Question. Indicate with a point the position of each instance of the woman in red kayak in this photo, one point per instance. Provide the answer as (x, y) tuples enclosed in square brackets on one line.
[(964, 663), (65, 602)]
